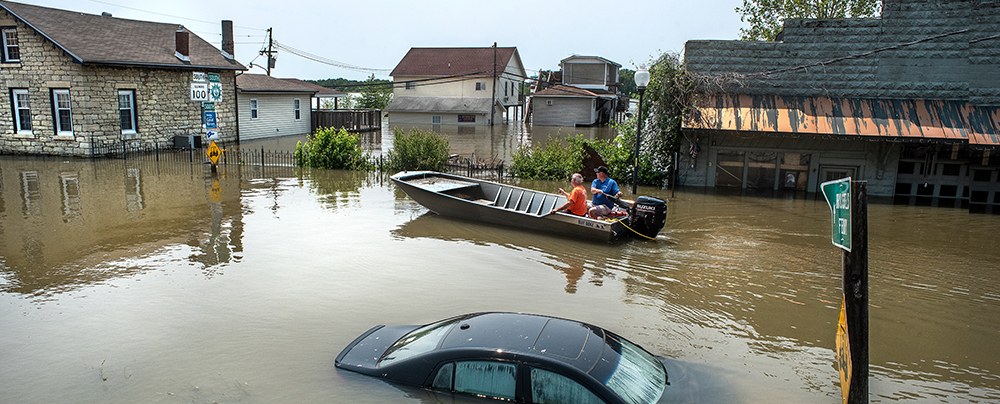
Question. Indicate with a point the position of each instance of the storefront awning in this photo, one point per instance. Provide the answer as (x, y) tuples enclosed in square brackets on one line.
[(896, 118)]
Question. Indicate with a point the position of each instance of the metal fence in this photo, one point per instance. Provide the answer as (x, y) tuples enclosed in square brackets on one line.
[(233, 154)]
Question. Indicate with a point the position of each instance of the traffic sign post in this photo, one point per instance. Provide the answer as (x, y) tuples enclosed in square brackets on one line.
[(848, 202), (213, 153)]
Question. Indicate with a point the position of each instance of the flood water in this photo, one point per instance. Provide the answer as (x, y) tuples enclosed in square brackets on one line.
[(126, 282)]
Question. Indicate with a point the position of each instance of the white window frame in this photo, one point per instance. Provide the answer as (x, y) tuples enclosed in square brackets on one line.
[(130, 108), (480, 86), (17, 95), (297, 105), (8, 46), (58, 110), (436, 119), (254, 112)]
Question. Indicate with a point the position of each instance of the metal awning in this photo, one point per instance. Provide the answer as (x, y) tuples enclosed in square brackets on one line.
[(946, 120)]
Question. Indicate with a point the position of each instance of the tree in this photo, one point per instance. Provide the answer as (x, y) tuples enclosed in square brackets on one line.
[(374, 94), (766, 17), (627, 79)]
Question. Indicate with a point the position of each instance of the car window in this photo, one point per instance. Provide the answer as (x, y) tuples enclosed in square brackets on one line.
[(421, 340), (553, 388), (492, 379), (444, 377), (639, 378)]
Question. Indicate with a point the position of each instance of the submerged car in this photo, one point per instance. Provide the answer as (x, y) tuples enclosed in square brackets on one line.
[(511, 356)]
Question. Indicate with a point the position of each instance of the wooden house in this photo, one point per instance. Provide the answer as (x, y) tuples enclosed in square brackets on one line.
[(456, 86), (908, 102), (587, 95)]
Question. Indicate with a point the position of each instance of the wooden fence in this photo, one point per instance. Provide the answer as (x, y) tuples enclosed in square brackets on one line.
[(354, 120)]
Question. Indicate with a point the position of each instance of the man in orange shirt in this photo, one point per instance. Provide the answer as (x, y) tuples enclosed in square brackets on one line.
[(576, 202)]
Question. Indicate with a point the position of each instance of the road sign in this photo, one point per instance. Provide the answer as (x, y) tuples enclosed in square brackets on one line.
[(214, 92), (838, 196), (198, 77), (209, 113), (214, 152), (199, 91), (213, 77), (844, 352)]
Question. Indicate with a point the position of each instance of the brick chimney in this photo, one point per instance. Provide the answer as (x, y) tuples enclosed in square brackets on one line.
[(228, 46), (183, 45)]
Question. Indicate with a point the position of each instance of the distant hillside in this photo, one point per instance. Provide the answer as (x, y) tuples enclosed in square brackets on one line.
[(345, 85)]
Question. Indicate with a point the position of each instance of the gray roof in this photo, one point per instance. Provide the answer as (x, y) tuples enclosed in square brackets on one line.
[(439, 104), (263, 83), (103, 39)]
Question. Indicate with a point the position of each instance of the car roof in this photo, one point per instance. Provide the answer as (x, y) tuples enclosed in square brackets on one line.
[(570, 342)]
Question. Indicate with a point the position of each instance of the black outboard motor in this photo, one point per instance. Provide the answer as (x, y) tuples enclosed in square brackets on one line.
[(648, 215)]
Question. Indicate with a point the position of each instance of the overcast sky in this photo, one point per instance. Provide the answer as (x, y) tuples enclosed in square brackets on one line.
[(375, 34)]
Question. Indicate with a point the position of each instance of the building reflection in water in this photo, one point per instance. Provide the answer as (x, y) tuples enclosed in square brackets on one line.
[(133, 189), (85, 222), (71, 203), (31, 193)]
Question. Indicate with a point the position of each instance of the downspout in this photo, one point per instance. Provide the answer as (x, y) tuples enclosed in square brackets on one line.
[(236, 98), (493, 104)]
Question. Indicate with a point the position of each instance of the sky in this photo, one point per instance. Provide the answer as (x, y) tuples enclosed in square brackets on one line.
[(363, 37)]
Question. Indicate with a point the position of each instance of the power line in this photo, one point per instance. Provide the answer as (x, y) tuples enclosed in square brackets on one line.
[(167, 15), (331, 62)]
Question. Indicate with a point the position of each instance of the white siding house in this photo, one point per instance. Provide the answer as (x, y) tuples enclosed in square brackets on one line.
[(270, 107)]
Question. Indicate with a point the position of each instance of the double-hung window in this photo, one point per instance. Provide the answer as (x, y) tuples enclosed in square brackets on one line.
[(11, 50), (22, 111), (253, 108), (62, 112), (126, 111), (298, 109), (480, 86)]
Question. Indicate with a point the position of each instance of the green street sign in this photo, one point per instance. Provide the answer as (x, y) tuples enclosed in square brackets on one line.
[(838, 196), (212, 77)]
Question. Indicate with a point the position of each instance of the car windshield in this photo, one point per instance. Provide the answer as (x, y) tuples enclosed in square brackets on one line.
[(639, 378), (421, 340)]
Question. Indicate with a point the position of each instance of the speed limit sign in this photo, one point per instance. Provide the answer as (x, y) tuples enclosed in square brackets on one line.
[(199, 91)]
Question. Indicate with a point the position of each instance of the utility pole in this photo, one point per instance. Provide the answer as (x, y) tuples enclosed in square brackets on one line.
[(270, 51), (493, 102)]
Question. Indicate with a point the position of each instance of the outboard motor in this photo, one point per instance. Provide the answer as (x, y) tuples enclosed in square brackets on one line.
[(648, 215)]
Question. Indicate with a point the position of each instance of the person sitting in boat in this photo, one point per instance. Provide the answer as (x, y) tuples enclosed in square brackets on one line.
[(576, 200), (601, 188)]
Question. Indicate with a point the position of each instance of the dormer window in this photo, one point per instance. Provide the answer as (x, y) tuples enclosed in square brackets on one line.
[(11, 50)]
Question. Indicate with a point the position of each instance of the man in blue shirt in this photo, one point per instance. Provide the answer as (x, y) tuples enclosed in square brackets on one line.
[(601, 187)]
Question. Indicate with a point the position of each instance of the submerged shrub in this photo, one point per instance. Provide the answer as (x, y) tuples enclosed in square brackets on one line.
[(418, 150), (333, 149), (554, 161)]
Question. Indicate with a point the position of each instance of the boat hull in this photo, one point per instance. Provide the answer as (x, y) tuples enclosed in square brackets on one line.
[(503, 205)]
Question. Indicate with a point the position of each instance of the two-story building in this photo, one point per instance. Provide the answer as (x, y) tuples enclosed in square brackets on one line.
[(587, 95), (455, 86), (77, 82)]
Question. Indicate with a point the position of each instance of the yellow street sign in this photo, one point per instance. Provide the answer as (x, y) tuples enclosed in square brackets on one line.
[(215, 192), (844, 352), (214, 152)]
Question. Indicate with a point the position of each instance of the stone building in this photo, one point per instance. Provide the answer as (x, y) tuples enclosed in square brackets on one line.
[(78, 84), (909, 102)]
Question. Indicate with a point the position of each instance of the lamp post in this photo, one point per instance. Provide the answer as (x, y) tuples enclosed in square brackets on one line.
[(641, 80)]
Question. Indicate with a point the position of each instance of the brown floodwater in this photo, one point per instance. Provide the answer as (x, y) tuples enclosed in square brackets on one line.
[(126, 281)]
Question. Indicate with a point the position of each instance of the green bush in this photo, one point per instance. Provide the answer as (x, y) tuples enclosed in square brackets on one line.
[(417, 151), (554, 161), (332, 149), (618, 156)]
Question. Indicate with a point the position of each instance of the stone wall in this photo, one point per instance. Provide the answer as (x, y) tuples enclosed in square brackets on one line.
[(162, 98), (956, 66)]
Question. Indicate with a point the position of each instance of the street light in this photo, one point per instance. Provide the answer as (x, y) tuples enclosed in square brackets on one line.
[(641, 80)]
